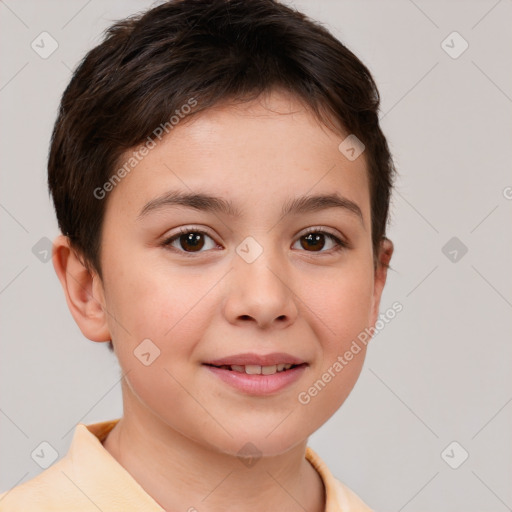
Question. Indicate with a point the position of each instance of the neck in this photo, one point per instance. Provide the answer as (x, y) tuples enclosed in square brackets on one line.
[(180, 474)]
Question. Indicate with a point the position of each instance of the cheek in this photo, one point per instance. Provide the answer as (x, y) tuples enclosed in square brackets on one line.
[(343, 306), (345, 316), (343, 311), (169, 308), (154, 301), (156, 327)]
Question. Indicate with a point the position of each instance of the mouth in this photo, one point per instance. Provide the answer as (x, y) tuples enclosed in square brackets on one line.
[(256, 374), (255, 369)]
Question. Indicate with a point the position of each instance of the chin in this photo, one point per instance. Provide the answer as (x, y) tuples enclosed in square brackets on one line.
[(259, 441)]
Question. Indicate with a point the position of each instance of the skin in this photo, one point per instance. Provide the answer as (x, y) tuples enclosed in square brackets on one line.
[(182, 426)]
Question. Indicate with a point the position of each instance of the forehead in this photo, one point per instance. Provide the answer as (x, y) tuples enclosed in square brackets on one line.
[(260, 153)]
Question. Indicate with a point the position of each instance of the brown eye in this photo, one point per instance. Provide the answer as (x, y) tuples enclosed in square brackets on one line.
[(192, 241), (314, 241), (188, 241)]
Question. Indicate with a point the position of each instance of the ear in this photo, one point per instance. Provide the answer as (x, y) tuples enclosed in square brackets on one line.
[(83, 290), (381, 271)]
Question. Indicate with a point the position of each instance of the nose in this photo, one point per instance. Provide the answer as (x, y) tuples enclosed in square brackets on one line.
[(261, 292)]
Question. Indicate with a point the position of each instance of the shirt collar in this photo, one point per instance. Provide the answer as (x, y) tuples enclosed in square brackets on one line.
[(92, 463)]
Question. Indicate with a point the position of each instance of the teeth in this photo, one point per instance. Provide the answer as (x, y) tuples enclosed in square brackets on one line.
[(254, 369), (268, 370)]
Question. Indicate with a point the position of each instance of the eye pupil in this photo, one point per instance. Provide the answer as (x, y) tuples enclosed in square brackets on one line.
[(192, 239), (314, 239)]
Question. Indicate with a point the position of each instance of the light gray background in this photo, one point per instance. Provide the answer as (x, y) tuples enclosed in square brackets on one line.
[(439, 372)]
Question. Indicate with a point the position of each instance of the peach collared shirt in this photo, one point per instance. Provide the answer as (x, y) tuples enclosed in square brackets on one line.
[(88, 479)]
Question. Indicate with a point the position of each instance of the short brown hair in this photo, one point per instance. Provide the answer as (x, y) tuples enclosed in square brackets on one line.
[(149, 65)]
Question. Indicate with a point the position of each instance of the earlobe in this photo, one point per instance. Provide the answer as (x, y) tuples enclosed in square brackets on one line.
[(83, 291)]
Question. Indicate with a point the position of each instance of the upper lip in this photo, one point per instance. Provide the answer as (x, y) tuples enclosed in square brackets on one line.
[(256, 359)]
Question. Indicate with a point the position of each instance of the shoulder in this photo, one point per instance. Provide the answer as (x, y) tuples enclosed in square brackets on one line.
[(86, 479), (348, 500), (47, 491), (75, 482), (339, 497)]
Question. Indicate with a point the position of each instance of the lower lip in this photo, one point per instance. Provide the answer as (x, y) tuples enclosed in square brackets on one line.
[(259, 384)]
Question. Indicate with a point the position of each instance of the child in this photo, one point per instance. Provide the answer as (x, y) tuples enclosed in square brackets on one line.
[(222, 187)]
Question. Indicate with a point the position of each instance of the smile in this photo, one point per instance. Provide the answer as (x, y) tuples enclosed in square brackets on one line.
[(258, 374), (254, 369)]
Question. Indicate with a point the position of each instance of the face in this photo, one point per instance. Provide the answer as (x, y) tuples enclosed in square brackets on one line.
[(207, 284)]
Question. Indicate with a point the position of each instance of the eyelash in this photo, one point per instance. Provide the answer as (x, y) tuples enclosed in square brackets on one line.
[(339, 244)]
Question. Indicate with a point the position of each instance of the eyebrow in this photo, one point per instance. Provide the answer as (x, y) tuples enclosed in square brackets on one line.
[(208, 203)]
